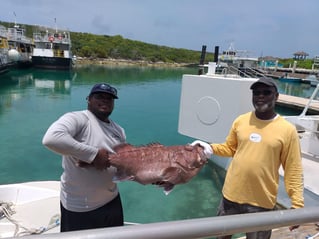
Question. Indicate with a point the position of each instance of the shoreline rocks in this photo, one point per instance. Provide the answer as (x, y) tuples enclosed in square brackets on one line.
[(124, 62)]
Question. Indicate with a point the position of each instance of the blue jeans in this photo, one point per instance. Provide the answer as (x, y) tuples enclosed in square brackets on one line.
[(227, 207)]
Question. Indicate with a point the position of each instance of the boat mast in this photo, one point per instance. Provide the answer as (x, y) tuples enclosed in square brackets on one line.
[(56, 27), (15, 21)]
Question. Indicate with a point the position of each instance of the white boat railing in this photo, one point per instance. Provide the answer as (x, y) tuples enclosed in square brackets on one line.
[(315, 92), (197, 228)]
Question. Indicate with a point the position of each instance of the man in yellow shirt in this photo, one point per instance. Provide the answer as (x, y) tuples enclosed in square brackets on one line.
[(259, 142)]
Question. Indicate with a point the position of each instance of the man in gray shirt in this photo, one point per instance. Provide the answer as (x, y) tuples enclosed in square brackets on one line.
[(89, 197)]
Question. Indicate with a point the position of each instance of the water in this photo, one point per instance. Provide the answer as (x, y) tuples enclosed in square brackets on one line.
[(30, 100), (148, 107), (296, 89)]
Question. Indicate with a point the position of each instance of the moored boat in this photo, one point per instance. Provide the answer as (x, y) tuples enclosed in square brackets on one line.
[(52, 49), (239, 59), (5, 63), (20, 46), (23, 201), (32, 209), (312, 79), (290, 79)]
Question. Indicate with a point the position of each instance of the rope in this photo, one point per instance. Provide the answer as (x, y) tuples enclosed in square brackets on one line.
[(6, 210)]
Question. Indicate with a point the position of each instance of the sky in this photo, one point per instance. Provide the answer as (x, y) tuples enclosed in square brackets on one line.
[(276, 28)]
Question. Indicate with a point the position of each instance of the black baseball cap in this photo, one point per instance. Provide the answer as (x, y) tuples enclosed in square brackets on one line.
[(104, 88), (266, 81)]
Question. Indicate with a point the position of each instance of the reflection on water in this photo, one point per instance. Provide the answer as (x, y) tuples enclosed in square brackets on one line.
[(56, 82), (295, 89), (14, 84)]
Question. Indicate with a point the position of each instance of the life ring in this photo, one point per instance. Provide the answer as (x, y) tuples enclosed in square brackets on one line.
[(51, 38)]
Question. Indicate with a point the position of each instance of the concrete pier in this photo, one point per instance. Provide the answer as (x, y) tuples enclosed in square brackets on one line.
[(298, 103)]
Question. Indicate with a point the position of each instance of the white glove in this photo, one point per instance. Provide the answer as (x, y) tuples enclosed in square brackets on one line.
[(208, 151)]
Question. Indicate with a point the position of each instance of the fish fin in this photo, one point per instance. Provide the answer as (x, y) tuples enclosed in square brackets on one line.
[(129, 147), (123, 147), (171, 174), (155, 144), (120, 176), (168, 188)]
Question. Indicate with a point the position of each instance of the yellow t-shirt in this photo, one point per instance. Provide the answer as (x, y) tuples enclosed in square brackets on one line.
[(258, 148)]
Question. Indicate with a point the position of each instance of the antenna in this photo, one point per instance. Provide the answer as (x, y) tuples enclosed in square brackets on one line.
[(15, 20), (56, 27)]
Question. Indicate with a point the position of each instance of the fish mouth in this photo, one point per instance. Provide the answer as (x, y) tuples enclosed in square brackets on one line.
[(201, 158)]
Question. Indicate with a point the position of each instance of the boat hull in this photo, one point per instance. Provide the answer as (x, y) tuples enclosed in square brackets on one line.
[(5, 67), (51, 62), (290, 79), (36, 205)]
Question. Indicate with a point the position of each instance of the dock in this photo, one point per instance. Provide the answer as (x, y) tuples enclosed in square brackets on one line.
[(298, 103)]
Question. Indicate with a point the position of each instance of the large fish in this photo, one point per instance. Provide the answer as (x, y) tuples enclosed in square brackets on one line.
[(157, 164)]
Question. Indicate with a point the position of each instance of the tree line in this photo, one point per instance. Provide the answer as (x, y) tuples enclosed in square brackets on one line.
[(94, 46), (116, 47)]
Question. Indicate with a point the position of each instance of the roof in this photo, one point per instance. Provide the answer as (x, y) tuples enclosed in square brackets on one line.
[(301, 53)]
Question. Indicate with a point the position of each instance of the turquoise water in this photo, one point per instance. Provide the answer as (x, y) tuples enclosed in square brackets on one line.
[(148, 108), (296, 89), (30, 100)]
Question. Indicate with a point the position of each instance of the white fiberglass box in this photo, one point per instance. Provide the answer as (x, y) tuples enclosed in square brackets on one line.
[(210, 103)]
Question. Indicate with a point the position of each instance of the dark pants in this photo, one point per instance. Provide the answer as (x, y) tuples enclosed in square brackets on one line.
[(109, 215), (227, 207)]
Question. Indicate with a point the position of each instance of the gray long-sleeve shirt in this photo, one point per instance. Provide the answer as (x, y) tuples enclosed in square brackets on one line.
[(78, 136)]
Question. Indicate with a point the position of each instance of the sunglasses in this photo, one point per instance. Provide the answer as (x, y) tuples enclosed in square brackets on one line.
[(262, 92)]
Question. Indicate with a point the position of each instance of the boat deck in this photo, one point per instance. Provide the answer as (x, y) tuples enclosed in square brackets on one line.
[(311, 169), (303, 232)]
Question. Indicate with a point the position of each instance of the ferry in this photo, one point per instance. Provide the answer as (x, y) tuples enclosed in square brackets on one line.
[(290, 79), (237, 59), (20, 46), (52, 49), (4, 49)]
